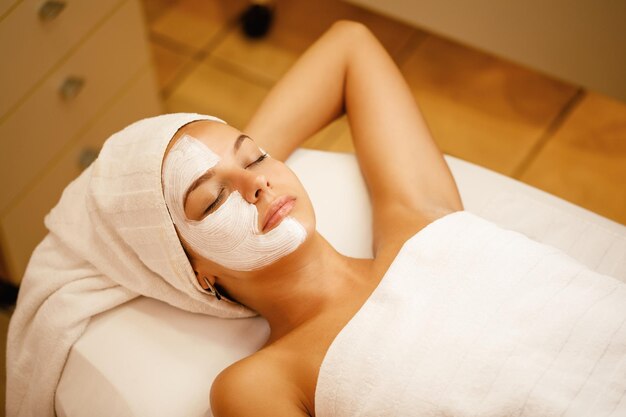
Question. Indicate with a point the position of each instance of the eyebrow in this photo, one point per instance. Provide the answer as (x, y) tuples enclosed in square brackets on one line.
[(209, 173), (239, 141)]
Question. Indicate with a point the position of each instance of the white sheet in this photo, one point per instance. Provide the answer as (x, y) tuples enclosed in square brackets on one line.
[(147, 358)]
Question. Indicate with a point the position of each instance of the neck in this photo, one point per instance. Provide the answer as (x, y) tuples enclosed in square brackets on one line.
[(300, 286)]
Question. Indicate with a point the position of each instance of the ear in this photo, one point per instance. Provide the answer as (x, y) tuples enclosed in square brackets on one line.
[(210, 287), (201, 278)]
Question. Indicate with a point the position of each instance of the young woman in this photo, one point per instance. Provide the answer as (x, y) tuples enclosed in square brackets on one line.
[(454, 320), (309, 293)]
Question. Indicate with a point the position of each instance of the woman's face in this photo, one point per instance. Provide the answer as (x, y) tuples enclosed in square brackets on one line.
[(233, 204)]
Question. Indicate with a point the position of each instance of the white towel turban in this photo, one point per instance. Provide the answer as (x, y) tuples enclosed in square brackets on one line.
[(110, 240)]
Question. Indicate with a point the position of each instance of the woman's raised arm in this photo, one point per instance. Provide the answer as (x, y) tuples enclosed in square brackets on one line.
[(348, 70), (307, 98)]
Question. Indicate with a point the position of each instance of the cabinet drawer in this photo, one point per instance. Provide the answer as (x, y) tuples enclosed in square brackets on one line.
[(46, 122), (31, 46), (22, 227)]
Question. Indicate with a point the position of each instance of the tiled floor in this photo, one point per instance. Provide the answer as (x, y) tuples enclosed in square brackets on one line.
[(545, 132), (555, 136)]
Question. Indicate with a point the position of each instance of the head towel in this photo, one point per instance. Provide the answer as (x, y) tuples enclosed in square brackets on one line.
[(110, 239)]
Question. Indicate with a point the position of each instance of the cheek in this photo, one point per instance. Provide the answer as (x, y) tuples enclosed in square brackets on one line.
[(229, 225), (230, 237)]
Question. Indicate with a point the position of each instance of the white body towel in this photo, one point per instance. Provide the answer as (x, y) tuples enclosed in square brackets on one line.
[(111, 239), (475, 320)]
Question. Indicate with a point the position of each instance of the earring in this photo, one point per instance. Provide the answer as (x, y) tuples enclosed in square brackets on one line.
[(212, 290)]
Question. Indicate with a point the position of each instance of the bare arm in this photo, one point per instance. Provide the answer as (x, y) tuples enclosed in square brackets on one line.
[(306, 99), (409, 181), (245, 389)]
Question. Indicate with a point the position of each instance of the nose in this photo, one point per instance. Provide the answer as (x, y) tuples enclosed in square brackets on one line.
[(252, 186)]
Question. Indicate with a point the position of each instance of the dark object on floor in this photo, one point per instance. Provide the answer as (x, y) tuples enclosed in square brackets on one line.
[(257, 19), (8, 294)]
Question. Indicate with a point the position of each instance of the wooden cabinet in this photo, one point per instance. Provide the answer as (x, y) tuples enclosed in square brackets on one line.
[(70, 77)]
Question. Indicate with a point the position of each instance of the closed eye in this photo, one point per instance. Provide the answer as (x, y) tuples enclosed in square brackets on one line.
[(260, 159), (220, 196), (214, 204)]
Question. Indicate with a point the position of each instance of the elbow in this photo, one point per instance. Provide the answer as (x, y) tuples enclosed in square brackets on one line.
[(351, 29)]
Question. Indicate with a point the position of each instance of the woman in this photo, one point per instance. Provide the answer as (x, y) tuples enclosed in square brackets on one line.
[(305, 301), (278, 265)]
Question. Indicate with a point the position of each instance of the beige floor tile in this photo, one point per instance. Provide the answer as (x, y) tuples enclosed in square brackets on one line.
[(334, 137), (153, 9), (263, 60), (481, 108), (297, 24), (193, 23), (215, 90), (169, 64), (585, 161)]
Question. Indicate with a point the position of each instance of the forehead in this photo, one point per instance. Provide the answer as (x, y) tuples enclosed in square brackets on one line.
[(218, 137)]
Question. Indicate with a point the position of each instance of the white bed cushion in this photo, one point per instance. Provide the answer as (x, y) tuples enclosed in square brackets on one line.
[(146, 358)]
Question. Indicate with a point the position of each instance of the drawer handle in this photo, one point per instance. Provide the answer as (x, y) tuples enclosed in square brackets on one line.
[(50, 10), (71, 87), (87, 156)]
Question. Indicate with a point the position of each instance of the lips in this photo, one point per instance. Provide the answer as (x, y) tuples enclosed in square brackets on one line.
[(278, 210)]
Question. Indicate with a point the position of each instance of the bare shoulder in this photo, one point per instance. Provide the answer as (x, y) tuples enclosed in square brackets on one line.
[(258, 386)]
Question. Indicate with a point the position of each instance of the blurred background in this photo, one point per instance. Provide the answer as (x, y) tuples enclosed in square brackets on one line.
[(532, 90)]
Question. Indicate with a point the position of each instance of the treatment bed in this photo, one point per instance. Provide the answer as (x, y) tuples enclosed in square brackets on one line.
[(146, 358)]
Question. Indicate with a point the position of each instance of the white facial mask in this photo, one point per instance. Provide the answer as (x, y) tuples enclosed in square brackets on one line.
[(230, 235)]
